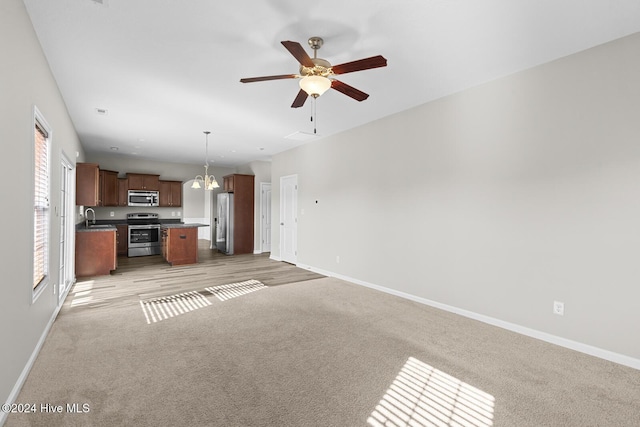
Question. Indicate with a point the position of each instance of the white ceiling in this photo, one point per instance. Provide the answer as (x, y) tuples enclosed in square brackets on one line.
[(166, 70)]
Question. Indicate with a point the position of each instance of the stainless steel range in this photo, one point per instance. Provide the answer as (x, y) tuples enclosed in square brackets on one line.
[(144, 234)]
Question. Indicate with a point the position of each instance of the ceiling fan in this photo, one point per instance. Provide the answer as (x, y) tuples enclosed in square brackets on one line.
[(317, 74)]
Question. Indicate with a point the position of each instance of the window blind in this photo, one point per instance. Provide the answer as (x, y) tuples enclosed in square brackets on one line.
[(41, 206)]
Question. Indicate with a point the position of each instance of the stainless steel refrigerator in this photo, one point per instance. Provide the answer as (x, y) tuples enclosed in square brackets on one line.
[(224, 226)]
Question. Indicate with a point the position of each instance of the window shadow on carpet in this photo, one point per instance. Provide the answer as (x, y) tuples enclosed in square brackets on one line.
[(424, 396)]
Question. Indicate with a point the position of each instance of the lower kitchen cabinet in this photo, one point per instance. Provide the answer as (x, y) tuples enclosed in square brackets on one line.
[(95, 253), (180, 245), (122, 239)]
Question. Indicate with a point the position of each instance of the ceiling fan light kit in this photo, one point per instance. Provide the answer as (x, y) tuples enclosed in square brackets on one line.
[(315, 85)]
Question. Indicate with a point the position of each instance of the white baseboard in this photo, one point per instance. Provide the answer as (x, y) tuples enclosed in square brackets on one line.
[(553, 339), (27, 368), (275, 258)]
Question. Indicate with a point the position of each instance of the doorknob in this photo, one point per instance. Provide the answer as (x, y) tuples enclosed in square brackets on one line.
[(282, 223)]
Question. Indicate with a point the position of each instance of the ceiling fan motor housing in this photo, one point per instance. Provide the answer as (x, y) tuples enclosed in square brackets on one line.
[(322, 68)]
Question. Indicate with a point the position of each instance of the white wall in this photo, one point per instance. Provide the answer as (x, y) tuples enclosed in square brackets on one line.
[(497, 200), (25, 82)]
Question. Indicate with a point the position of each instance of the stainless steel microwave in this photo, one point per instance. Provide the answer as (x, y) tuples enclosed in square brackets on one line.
[(143, 198)]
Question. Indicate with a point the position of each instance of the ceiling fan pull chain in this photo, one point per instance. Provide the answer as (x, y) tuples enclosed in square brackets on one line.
[(314, 117)]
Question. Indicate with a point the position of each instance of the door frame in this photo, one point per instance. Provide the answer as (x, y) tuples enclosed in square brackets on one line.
[(265, 209), (66, 264)]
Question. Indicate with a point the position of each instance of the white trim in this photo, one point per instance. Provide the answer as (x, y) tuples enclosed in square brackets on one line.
[(257, 252), (533, 333), (276, 257), (27, 368)]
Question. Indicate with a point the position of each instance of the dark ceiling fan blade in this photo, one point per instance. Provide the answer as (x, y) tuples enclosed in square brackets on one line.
[(300, 99), (360, 64), (298, 52), (348, 90), (262, 79)]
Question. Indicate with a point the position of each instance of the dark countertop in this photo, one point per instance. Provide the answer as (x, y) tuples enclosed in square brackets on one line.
[(107, 225), (181, 225), (98, 227)]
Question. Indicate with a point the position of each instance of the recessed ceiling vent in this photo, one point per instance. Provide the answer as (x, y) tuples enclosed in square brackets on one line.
[(301, 136), (102, 111)]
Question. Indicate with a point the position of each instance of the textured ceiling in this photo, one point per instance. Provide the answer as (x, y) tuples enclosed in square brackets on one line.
[(166, 70)]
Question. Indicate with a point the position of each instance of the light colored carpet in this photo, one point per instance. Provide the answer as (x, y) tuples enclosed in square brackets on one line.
[(316, 353)]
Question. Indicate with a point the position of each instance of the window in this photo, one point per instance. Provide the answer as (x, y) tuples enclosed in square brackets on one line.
[(41, 202)]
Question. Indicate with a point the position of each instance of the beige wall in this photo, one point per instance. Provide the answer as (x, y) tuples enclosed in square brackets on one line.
[(495, 201), (25, 82)]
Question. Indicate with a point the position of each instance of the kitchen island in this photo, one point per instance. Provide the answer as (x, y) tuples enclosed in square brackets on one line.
[(180, 243)]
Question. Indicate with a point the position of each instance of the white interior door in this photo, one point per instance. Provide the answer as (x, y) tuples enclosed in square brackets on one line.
[(289, 218), (265, 215)]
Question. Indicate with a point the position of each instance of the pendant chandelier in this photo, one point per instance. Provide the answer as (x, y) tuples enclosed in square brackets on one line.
[(209, 181)]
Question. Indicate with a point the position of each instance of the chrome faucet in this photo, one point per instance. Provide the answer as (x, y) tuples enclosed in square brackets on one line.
[(86, 216)]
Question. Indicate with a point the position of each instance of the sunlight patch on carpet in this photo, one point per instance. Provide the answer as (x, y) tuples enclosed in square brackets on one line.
[(81, 293), (162, 308), (233, 290), (422, 396)]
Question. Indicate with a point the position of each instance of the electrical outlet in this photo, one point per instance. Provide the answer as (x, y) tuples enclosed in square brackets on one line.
[(558, 308), (173, 213), (111, 213), (337, 259)]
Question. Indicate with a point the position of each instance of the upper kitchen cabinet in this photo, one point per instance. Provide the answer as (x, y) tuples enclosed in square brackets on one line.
[(123, 191), (95, 187), (108, 194), (170, 193), (138, 181), (87, 184), (228, 183)]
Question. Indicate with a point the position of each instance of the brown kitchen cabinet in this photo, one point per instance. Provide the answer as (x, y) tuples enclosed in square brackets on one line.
[(123, 192), (170, 193), (95, 253), (227, 183), (122, 239), (87, 184), (180, 245), (242, 186), (139, 181), (108, 189)]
